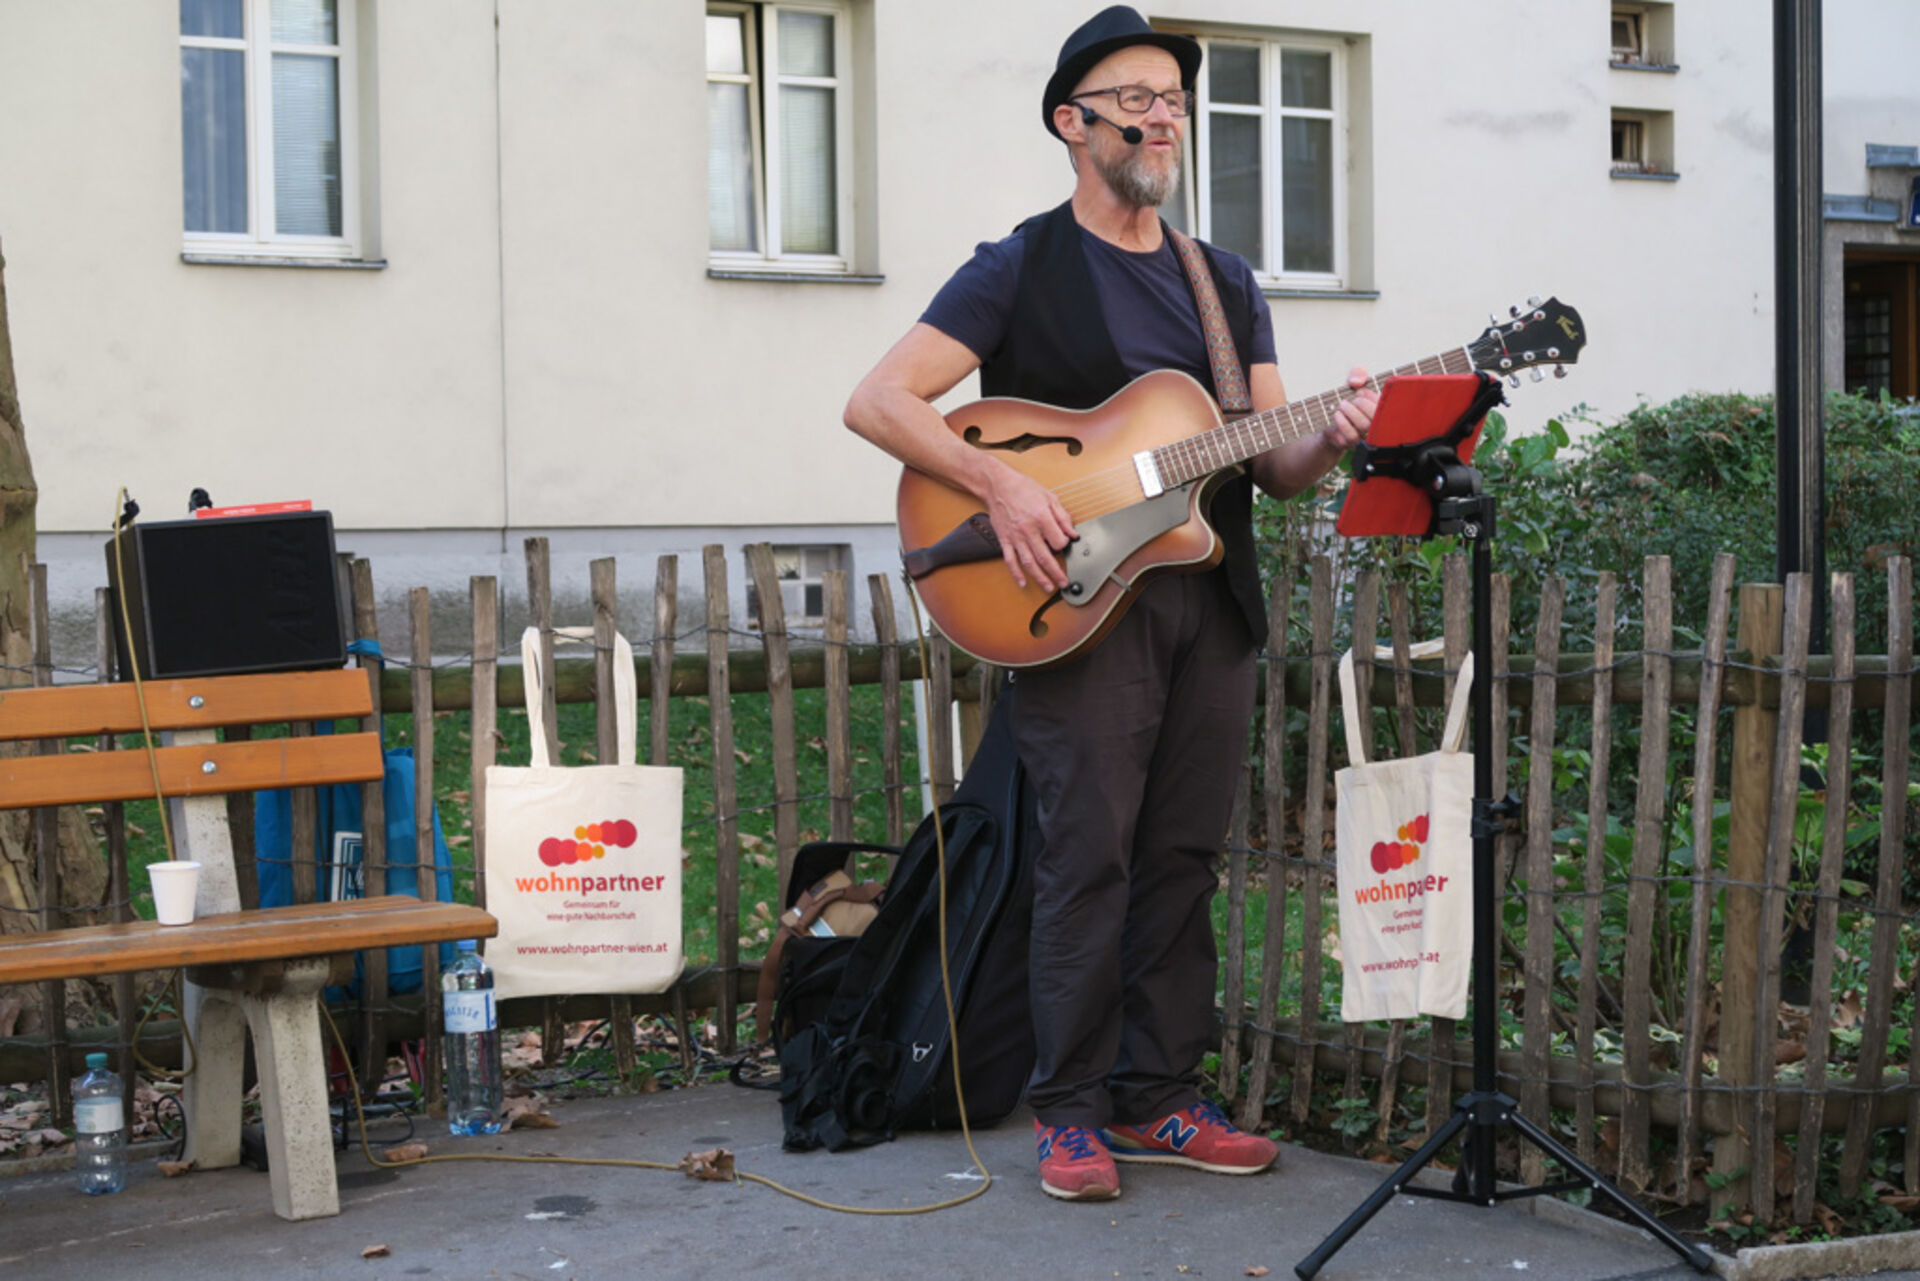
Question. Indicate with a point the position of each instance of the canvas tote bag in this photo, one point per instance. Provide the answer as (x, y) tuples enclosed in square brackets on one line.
[(1403, 843), (583, 863)]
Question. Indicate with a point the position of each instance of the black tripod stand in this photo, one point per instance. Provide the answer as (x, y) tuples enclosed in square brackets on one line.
[(1462, 509)]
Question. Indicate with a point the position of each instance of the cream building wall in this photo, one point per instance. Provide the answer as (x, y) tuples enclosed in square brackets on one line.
[(544, 349)]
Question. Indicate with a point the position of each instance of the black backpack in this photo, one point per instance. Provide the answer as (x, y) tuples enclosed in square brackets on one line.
[(876, 1061)]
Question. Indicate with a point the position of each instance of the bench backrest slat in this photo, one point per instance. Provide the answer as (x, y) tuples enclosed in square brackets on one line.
[(71, 711), (74, 778)]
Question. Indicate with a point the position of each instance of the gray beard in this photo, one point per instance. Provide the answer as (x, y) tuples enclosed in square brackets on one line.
[(1135, 180)]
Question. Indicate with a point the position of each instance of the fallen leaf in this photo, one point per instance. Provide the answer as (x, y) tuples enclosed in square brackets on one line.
[(1257, 1271), (173, 1169), (406, 1152), (715, 1165), (1785, 1052), (1902, 1202), (523, 1112), (375, 1252), (52, 1138)]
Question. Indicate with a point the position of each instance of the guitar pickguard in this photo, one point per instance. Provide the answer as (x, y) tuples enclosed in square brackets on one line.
[(1106, 541)]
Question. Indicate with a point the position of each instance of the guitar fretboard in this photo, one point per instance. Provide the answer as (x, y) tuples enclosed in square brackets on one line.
[(1244, 438)]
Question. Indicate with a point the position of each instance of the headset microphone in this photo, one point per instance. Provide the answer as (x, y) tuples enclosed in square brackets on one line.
[(1128, 133)]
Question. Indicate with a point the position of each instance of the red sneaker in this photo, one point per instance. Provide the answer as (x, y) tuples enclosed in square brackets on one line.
[(1199, 1136), (1074, 1164)]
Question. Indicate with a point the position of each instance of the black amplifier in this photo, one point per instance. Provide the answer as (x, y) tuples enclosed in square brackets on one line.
[(227, 595)]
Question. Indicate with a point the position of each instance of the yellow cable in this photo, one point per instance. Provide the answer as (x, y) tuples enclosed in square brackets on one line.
[(953, 1040), (153, 764), (133, 666)]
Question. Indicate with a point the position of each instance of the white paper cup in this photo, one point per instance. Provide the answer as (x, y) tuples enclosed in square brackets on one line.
[(174, 885)]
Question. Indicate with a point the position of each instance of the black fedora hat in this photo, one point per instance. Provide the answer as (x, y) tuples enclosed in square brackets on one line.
[(1118, 27)]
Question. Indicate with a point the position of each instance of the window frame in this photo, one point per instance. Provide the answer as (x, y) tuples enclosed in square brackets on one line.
[(763, 108), (1636, 53), (1632, 131), (1197, 163), (825, 558), (258, 48)]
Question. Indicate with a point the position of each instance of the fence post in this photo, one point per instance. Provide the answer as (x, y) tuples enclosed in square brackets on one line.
[(604, 583), (1762, 614), (426, 868), (726, 836)]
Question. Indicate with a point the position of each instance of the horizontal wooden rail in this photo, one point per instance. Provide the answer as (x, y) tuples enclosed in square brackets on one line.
[(1739, 686), (747, 669), (90, 778), (267, 934), (573, 677)]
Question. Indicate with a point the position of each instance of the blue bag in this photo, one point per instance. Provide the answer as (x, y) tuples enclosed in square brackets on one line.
[(339, 827)]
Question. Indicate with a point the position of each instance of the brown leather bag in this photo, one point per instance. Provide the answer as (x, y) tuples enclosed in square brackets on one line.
[(834, 905)]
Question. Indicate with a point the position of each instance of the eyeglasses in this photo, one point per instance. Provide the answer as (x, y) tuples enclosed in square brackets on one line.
[(1137, 100)]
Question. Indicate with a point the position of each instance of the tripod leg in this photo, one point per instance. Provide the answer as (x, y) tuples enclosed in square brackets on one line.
[(1696, 1257), (1381, 1195)]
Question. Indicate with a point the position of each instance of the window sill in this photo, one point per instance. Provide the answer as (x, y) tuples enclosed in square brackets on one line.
[(1626, 175), (256, 260), (793, 277), (1336, 295), (1664, 68)]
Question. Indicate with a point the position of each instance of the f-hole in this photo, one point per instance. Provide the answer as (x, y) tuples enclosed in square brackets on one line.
[(1020, 444), (1037, 625)]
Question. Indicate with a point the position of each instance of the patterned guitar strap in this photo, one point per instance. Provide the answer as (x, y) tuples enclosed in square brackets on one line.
[(1229, 382)]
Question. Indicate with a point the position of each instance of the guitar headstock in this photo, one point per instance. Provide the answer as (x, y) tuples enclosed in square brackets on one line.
[(1543, 333)]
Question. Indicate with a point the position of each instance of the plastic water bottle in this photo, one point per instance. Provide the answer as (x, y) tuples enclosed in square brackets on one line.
[(472, 1043), (100, 1130)]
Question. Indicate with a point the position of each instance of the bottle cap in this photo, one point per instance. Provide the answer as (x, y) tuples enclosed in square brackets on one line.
[(468, 945), (96, 1061)]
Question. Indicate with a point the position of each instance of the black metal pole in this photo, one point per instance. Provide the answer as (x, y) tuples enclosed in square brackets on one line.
[(1478, 1157), (1799, 239)]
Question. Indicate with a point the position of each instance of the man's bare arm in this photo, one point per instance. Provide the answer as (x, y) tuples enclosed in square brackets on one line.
[(893, 408), (1291, 468)]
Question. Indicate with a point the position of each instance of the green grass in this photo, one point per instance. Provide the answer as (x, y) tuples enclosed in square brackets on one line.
[(690, 746)]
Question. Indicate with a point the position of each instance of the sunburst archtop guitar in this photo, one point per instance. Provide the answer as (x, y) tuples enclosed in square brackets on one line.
[(1136, 474)]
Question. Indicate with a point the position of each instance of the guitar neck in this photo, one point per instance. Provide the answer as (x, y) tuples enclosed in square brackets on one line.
[(1235, 442)]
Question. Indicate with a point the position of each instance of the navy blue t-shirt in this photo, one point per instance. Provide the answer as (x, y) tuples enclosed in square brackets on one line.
[(1145, 298)]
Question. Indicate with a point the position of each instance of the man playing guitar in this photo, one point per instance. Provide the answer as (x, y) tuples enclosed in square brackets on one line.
[(1133, 746)]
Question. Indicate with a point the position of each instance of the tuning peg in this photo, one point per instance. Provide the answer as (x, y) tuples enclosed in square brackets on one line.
[(1513, 313), (1493, 321), (1534, 301), (1513, 380), (1535, 373), (1559, 371)]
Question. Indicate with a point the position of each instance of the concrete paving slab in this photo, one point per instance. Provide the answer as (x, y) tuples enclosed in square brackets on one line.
[(489, 1219)]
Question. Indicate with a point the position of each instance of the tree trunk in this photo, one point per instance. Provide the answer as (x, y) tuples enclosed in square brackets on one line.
[(82, 869)]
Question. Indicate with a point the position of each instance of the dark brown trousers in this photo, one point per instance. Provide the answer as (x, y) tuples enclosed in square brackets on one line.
[(1133, 750)]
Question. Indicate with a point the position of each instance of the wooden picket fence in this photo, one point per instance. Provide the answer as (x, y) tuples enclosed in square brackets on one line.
[(1649, 1032)]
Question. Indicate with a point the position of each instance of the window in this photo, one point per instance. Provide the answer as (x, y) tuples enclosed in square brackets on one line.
[(1642, 144), (1629, 35), (803, 593), (1643, 36), (1629, 145), (779, 137), (1268, 160), (267, 123)]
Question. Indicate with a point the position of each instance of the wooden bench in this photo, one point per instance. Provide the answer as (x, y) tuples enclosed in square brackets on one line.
[(263, 969)]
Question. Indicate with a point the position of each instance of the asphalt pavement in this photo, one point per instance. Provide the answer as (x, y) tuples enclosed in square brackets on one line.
[(485, 1219)]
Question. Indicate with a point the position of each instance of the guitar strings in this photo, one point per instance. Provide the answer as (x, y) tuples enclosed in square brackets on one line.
[(1098, 493)]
